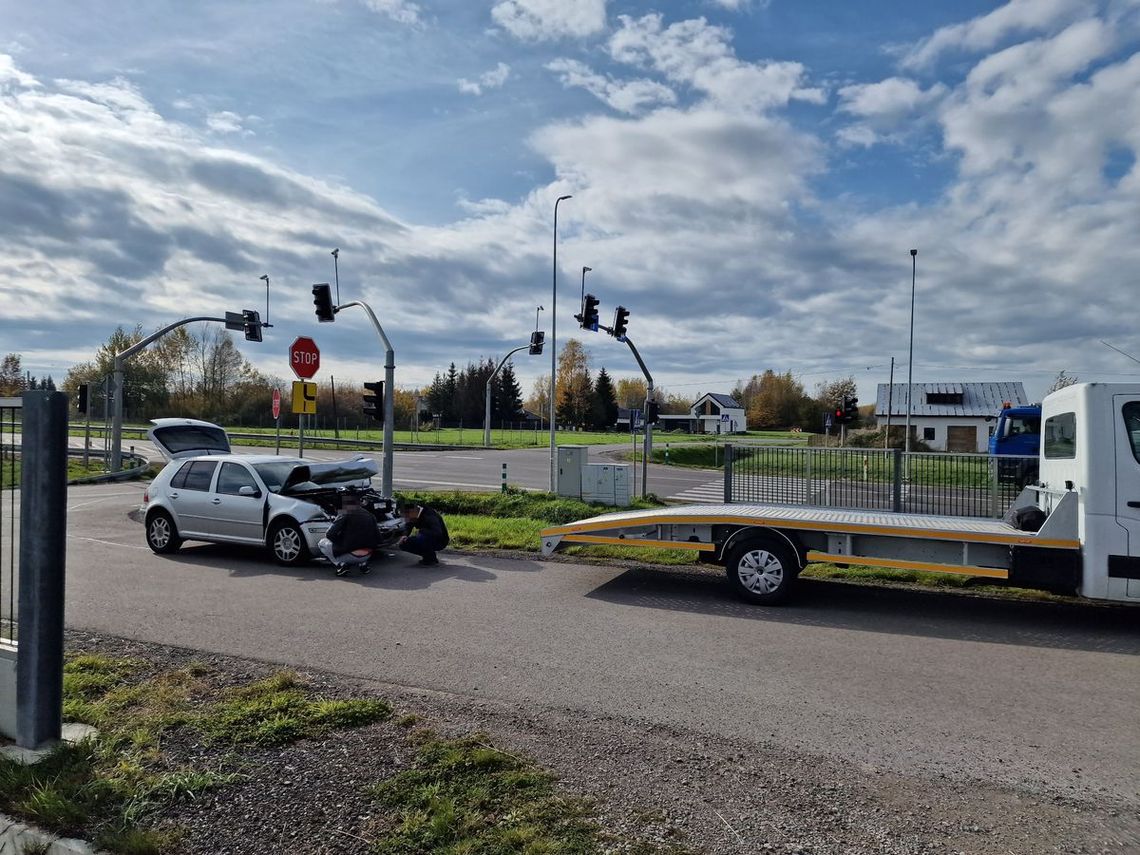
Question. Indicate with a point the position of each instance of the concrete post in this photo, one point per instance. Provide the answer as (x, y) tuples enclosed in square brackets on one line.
[(43, 527)]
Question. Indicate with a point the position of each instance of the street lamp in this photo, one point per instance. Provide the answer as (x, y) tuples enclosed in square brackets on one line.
[(336, 273), (265, 279), (910, 359), (537, 309), (554, 341), (582, 299)]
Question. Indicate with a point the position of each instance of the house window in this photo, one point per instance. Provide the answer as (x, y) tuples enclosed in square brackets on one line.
[(928, 434)]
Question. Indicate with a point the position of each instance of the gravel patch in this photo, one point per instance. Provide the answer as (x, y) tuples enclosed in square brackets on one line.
[(667, 785)]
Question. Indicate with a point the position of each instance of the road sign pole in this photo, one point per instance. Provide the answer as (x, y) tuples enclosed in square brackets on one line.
[(301, 435), (278, 449)]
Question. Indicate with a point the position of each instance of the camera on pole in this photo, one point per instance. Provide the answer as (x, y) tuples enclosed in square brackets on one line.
[(588, 320), (322, 300), (621, 321), (251, 324), (373, 399), (537, 339)]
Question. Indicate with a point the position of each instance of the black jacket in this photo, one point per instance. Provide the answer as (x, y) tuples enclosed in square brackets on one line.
[(431, 524), (353, 530)]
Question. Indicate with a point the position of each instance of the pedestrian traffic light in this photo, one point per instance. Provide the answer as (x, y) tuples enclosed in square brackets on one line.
[(251, 323), (81, 401), (588, 320), (537, 339), (322, 300), (373, 399), (621, 318)]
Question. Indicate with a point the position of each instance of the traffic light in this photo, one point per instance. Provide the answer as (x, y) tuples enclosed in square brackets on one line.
[(81, 403), (537, 339), (850, 409), (373, 404), (322, 300), (588, 320), (621, 318), (251, 323), (839, 417), (651, 413)]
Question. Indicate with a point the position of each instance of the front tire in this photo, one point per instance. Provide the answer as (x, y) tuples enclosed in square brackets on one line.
[(161, 534), (762, 570), (288, 544)]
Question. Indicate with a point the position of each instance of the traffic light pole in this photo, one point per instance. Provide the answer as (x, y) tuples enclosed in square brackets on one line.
[(117, 405), (647, 448), (487, 402), (389, 394)]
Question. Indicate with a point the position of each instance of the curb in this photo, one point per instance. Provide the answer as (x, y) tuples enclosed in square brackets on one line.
[(16, 837)]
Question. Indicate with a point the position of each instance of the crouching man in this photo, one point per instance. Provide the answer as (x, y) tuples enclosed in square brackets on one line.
[(432, 536), (351, 538)]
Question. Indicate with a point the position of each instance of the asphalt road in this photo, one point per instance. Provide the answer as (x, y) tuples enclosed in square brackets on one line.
[(1027, 694)]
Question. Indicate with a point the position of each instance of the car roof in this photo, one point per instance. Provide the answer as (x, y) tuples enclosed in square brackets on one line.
[(246, 458)]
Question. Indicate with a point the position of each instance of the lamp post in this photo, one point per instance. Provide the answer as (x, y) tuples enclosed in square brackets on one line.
[(554, 343), (336, 273), (910, 358), (265, 279), (582, 299)]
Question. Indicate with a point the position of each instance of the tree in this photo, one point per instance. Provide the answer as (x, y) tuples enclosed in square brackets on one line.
[(831, 393), (11, 376), (605, 411), (1062, 380), (539, 400), (573, 404), (776, 401), (510, 405), (631, 393), (450, 408)]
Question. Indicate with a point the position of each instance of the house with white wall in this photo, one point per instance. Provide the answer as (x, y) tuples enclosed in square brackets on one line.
[(948, 416), (716, 413)]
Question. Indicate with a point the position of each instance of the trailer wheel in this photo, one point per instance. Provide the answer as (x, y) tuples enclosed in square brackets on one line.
[(762, 570)]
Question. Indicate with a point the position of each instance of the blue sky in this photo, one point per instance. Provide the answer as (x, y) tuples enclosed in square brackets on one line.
[(748, 178)]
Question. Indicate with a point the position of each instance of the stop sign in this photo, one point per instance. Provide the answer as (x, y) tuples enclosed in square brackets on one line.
[(304, 357), (276, 403)]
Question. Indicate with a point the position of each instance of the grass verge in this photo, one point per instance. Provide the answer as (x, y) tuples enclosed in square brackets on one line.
[(114, 789), (10, 471)]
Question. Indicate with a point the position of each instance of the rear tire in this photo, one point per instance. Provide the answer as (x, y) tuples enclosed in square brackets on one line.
[(762, 570), (288, 544), (161, 534)]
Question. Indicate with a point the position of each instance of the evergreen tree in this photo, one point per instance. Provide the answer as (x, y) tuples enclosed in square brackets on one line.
[(605, 409), (450, 408), (47, 383), (11, 377), (437, 396), (509, 395)]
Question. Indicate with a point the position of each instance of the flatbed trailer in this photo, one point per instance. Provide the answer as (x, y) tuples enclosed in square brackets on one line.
[(764, 547)]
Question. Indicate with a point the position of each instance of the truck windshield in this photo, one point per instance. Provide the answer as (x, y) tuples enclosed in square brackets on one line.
[(1016, 426)]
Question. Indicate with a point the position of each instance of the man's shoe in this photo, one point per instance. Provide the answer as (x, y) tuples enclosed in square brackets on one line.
[(424, 562), (341, 569), (365, 569)]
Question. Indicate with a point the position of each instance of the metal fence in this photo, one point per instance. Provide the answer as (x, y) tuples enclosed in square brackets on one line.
[(969, 485), (9, 517)]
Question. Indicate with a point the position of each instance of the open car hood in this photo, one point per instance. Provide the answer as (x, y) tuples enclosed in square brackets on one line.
[(311, 476), (177, 439)]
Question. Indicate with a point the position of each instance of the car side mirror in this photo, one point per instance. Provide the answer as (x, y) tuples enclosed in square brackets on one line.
[(249, 491)]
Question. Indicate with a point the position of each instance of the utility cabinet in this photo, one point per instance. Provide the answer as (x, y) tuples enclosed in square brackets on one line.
[(607, 483), (571, 459)]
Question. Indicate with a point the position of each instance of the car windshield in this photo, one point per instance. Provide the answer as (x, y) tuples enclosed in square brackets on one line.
[(275, 473)]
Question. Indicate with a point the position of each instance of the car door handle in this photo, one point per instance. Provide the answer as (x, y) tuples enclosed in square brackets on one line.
[(215, 501), (174, 495), (1134, 504)]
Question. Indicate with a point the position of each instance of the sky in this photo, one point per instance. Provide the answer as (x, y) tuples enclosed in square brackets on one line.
[(748, 179)]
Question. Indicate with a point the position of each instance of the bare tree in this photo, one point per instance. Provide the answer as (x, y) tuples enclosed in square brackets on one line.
[(1062, 380)]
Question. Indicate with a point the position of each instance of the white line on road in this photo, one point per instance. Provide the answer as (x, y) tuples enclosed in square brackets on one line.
[(106, 542), (463, 457), (97, 500)]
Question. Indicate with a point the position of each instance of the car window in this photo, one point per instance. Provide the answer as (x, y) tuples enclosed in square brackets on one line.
[(179, 479), (1131, 413), (192, 438), (199, 475), (275, 473), (232, 478)]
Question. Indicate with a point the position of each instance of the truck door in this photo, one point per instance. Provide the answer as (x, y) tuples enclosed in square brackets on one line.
[(1124, 570)]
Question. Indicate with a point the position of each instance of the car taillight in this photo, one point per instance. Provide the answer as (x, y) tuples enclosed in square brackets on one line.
[(146, 496)]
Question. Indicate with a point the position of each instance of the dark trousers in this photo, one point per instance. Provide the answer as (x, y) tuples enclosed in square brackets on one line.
[(422, 545)]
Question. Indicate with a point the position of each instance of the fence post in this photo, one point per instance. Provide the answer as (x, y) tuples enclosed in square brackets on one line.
[(993, 467), (504, 487), (728, 458), (896, 481), (43, 527)]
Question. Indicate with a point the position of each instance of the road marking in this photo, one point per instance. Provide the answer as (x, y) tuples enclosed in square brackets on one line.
[(419, 481), (106, 542), (457, 457), (97, 500)]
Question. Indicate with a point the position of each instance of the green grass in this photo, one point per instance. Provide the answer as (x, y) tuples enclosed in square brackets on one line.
[(10, 470), (465, 796), (113, 789)]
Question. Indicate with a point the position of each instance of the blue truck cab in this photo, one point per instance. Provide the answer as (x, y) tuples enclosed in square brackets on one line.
[(1017, 434)]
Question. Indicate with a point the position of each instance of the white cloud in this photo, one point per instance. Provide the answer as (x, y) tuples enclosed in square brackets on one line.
[(227, 122), (986, 31), (10, 75), (738, 5), (493, 79), (625, 96), (698, 54), (400, 11), (548, 20), (889, 110)]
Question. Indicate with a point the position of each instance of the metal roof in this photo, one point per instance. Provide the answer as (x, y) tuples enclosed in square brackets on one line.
[(721, 400), (978, 399)]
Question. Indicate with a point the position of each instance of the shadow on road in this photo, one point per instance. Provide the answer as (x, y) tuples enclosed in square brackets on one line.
[(930, 614), (392, 570)]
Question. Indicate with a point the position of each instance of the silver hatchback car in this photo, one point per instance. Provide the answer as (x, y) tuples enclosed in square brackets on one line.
[(287, 504)]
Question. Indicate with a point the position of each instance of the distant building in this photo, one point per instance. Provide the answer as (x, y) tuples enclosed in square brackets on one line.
[(710, 413), (948, 416)]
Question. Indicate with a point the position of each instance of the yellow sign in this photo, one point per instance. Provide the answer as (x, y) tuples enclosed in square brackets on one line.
[(304, 397)]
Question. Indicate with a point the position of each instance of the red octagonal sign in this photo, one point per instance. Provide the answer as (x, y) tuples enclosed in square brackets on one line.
[(304, 357)]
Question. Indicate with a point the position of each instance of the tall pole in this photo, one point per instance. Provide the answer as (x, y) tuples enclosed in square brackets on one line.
[(582, 299), (265, 279), (554, 344), (336, 427), (336, 273), (910, 358), (487, 398), (389, 393), (890, 401)]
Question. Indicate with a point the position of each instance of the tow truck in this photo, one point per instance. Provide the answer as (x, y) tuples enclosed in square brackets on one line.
[(1088, 493)]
